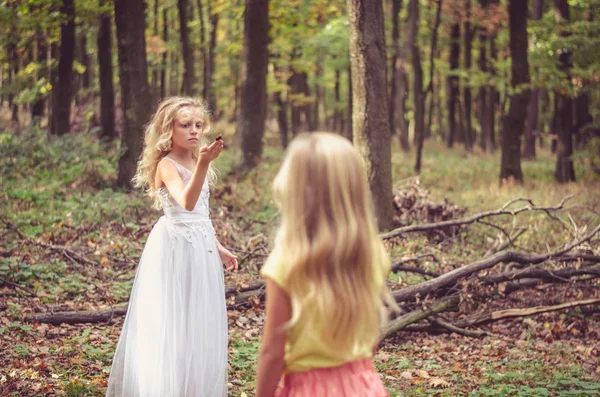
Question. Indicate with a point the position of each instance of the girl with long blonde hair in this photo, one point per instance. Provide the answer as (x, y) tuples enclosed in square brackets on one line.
[(174, 338), (326, 291)]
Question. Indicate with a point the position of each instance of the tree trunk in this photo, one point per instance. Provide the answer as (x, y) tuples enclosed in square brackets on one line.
[(318, 94), (37, 109), (418, 94), (156, 94), (531, 123), (514, 122), (203, 50), (64, 86), (210, 66), (483, 36), (581, 106), (493, 97), (468, 39), (564, 145), (105, 71), (282, 118), (338, 124), (130, 19), (398, 83), (431, 87), (86, 78), (453, 83), (253, 105), (186, 49), (348, 131), (163, 72), (370, 118), (487, 93)]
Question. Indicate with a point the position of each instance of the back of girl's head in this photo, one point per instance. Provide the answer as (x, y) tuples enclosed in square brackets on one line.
[(328, 237), (158, 133)]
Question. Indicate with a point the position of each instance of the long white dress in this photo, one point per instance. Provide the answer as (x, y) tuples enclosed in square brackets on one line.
[(174, 339)]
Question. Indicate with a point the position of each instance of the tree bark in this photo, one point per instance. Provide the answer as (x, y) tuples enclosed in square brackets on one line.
[(398, 83), (186, 49), (565, 171), (37, 109), (370, 117), (209, 94), (529, 152), (418, 94), (163, 72), (86, 78), (135, 92), (105, 71), (453, 83), (64, 86), (431, 87), (349, 127), (203, 50), (514, 121), (468, 40), (253, 104)]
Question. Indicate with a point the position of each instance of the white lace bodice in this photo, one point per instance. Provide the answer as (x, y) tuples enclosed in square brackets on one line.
[(172, 209)]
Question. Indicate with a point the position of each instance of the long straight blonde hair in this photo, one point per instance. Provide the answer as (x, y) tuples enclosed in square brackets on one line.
[(328, 239), (158, 141)]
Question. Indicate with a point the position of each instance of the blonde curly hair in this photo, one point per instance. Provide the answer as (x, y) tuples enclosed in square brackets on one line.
[(158, 140)]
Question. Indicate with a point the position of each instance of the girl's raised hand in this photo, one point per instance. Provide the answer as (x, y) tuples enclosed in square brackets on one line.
[(210, 152)]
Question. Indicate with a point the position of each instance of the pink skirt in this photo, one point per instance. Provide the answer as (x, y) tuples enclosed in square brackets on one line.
[(353, 379)]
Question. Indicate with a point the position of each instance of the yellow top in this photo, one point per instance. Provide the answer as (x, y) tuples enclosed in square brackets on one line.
[(305, 348)]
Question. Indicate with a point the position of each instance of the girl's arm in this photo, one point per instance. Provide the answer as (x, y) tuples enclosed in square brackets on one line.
[(187, 196), (272, 350), (229, 260)]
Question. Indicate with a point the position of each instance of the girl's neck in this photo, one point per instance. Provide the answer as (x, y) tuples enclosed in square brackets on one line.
[(177, 152)]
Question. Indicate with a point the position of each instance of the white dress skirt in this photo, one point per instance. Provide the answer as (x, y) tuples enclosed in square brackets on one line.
[(174, 338)]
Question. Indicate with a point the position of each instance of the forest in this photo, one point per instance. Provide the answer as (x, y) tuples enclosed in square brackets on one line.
[(478, 122)]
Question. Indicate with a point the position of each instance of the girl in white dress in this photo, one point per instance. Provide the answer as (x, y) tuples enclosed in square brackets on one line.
[(174, 339)]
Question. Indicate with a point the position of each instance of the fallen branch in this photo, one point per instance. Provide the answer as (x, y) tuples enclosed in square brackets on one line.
[(474, 218), (485, 263), (106, 315), (76, 317), (457, 330), (399, 266), (399, 323), (486, 318)]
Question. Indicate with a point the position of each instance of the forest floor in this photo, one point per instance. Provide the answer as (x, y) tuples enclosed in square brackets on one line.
[(70, 241)]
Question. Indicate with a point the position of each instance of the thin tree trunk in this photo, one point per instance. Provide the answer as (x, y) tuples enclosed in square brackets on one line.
[(64, 87), (251, 125), (483, 89), (453, 83), (163, 72), (130, 19), (468, 39), (348, 131), (212, 44), (37, 109), (529, 152), (203, 50), (418, 94), (564, 148), (371, 129), (398, 82), (338, 124), (514, 121), (86, 78), (186, 49), (431, 87), (156, 93), (107, 94), (318, 94)]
